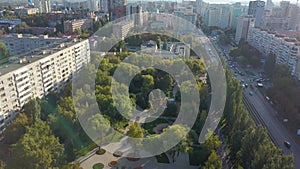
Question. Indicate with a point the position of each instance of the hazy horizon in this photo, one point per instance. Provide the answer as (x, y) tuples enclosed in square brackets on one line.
[(209, 1)]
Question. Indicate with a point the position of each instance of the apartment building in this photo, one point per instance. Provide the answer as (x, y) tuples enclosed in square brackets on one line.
[(19, 44), (256, 9), (244, 23), (71, 25), (286, 49), (35, 75), (122, 28)]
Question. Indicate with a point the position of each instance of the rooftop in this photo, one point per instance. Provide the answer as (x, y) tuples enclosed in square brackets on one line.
[(36, 55)]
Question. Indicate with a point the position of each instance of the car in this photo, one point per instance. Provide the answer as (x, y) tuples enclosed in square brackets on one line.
[(260, 85), (246, 85), (251, 93), (287, 144), (267, 98)]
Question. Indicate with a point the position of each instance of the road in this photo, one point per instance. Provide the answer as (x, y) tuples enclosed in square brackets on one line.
[(268, 115)]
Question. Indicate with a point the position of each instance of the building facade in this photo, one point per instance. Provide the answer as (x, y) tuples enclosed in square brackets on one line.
[(286, 49), (18, 44), (121, 29), (256, 9), (71, 25), (37, 74), (242, 28)]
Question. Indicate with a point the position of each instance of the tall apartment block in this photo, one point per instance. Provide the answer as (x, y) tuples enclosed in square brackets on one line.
[(256, 9), (44, 6), (285, 48), (242, 28), (37, 74)]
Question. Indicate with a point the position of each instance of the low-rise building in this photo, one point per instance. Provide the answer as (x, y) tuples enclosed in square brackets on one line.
[(77, 24), (26, 11)]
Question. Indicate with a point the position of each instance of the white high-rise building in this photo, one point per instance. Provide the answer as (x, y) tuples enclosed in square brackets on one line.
[(44, 6), (37, 74)]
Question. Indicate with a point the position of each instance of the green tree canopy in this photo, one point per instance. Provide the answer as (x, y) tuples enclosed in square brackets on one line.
[(38, 148), (4, 53)]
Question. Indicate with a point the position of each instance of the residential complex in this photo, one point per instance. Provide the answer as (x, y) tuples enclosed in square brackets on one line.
[(37, 74), (18, 44), (285, 48)]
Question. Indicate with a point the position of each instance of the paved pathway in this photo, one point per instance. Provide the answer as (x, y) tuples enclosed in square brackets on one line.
[(181, 162)]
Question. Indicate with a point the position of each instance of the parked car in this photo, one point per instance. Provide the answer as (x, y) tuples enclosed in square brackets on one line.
[(251, 93), (287, 144)]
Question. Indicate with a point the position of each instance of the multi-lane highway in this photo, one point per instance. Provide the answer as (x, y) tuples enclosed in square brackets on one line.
[(263, 113)]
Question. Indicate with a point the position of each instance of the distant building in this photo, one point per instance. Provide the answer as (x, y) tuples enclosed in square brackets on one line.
[(37, 30), (76, 5), (212, 16), (134, 12), (121, 29), (18, 44), (10, 21), (225, 17), (242, 28), (103, 5), (116, 9), (71, 25), (256, 9), (26, 11), (37, 74), (186, 14), (44, 6), (149, 47), (235, 12)]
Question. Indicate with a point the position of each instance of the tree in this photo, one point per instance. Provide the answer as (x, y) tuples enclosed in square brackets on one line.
[(158, 41), (2, 164), (270, 64), (165, 45), (148, 83), (16, 129), (71, 166), (99, 126), (137, 133), (4, 53), (66, 108), (225, 39), (38, 148), (213, 162), (32, 110)]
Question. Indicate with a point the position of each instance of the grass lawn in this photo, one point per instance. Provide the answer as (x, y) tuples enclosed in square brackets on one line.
[(199, 155), (162, 158), (149, 126)]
